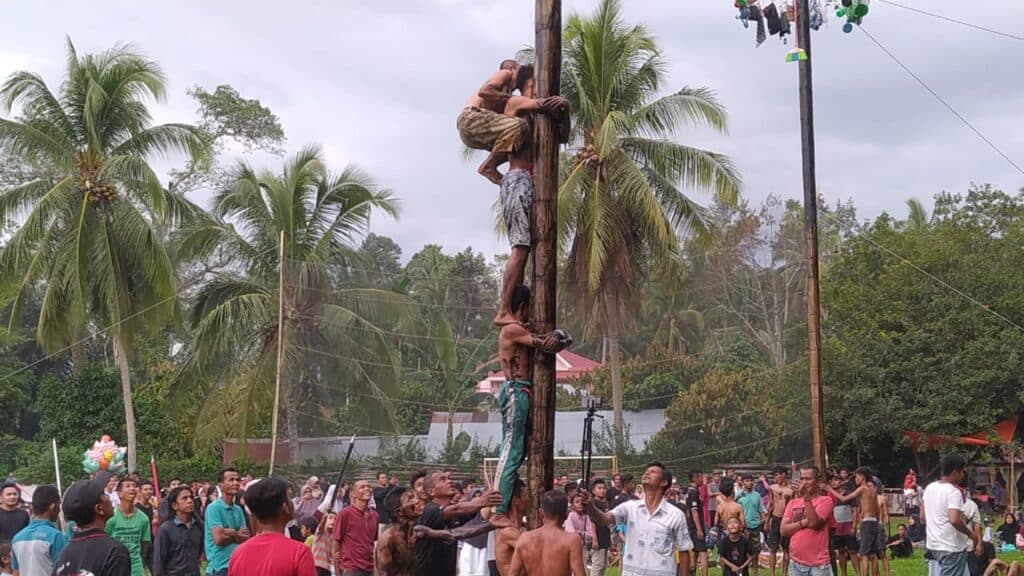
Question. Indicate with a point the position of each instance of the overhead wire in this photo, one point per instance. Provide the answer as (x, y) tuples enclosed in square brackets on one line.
[(953, 20), (942, 100)]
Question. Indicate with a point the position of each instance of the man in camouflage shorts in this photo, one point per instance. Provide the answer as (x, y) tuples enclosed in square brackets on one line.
[(483, 125), (517, 187)]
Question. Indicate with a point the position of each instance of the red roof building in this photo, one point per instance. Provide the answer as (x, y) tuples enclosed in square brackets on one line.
[(568, 366)]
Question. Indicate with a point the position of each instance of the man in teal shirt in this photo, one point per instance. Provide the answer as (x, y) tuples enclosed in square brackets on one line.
[(753, 513), (225, 524)]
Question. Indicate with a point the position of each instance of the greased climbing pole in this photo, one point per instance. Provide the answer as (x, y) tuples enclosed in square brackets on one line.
[(548, 46)]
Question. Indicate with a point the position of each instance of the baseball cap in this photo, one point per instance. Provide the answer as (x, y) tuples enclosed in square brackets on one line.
[(80, 500)]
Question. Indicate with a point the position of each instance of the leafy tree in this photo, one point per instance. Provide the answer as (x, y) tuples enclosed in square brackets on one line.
[(380, 258), (621, 200), (333, 341), (85, 228), (923, 325), (15, 385)]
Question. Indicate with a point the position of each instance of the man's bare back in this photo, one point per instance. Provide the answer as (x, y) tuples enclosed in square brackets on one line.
[(505, 548), (868, 501), (548, 551), (501, 82)]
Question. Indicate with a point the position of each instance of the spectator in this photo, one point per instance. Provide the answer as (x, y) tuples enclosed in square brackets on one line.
[(598, 557), (322, 547), (270, 552), (129, 526), (578, 522), (225, 527), (615, 488), (735, 551), (37, 546), (12, 518), (665, 528), (805, 522), (716, 479), (694, 514), (1008, 531), (915, 530), (6, 560), (179, 541), (380, 493), (899, 544), (90, 550), (626, 492), (306, 504), (440, 556), (948, 536), (355, 532)]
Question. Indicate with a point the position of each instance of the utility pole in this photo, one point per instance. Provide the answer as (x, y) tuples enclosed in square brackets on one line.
[(544, 218), (803, 26)]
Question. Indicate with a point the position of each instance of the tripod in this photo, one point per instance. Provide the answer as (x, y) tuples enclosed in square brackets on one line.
[(587, 449)]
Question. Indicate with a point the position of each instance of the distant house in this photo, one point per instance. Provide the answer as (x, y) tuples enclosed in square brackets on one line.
[(568, 366)]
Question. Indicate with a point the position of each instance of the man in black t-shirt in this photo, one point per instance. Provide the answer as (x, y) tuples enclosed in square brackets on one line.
[(12, 518), (899, 544), (627, 493), (380, 494), (598, 559), (90, 550), (695, 520), (976, 565), (437, 557)]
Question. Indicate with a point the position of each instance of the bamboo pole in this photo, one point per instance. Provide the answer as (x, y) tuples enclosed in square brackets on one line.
[(280, 355)]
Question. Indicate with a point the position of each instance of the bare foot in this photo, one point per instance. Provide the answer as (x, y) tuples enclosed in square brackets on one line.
[(491, 173), (500, 521), (504, 319)]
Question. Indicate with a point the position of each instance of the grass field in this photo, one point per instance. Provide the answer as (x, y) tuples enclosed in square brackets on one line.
[(902, 567)]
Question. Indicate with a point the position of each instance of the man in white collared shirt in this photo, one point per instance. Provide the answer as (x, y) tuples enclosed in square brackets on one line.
[(656, 529)]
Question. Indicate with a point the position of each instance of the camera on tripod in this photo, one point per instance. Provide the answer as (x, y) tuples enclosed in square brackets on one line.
[(592, 404)]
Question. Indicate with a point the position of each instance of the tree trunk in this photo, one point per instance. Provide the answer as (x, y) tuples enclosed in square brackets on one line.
[(121, 357), (291, 407), (611, 302)]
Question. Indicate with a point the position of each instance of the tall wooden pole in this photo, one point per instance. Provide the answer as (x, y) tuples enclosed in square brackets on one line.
[(548, 45), (280, 355), (811, 235)]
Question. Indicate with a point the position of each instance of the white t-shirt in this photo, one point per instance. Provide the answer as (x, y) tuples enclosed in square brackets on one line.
[(972, 516), (939, 499)]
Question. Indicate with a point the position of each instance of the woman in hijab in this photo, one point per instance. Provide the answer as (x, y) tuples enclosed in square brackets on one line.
[(1008, 531)]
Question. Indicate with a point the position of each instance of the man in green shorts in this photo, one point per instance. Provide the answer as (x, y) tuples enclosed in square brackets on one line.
[(516, 347)]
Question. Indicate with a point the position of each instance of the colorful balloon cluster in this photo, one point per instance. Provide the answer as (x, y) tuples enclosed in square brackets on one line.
[(854, 11), (105, 454)]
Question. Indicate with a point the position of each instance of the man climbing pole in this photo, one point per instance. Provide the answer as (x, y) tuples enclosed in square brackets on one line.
[(516, 348), (483, 125), (517, 185)]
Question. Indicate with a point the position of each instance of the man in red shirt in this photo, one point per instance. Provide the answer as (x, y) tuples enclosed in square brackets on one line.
[(355, 532), (271, 553), (805, 523)]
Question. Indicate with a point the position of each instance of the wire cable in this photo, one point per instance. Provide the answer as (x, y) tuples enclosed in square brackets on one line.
[(953, 20), (942, 100)]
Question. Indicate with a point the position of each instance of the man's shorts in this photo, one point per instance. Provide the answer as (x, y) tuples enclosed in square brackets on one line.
[(516, 203), (798, 569), (754, 536), (482, 129), (699, 544), (775, 539), (869, 533), (844, 542)]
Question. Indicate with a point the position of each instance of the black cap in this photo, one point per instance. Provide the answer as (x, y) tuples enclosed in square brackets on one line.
[(80, 500)]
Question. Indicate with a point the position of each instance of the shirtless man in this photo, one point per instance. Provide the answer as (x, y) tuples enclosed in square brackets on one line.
[(483, 125), (505, 542), (781, 493), (396, 554), (883, 533), (517, 188), (550, 550), (516, 347), (867, 500), (728, 507)]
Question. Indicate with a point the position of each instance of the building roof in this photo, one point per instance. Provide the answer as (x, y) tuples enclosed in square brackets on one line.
[(568, 365)]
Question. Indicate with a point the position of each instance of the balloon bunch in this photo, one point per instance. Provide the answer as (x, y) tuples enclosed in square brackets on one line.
[(854, 11), (105, 454)]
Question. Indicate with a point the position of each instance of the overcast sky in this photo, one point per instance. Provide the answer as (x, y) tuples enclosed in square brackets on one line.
[(379, 84)]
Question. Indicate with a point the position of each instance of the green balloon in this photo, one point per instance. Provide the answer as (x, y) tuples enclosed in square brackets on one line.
[(861, 10), (841, 12)]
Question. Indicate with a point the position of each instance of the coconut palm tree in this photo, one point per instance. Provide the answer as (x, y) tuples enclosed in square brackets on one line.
[(622, 199), (335, 342), (87, 211), (917, 217)]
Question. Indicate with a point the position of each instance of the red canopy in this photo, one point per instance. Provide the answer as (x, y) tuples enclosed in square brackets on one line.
[(1001, 433)]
